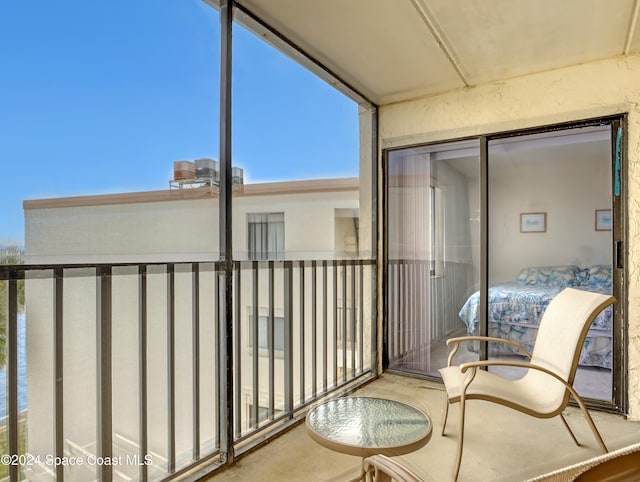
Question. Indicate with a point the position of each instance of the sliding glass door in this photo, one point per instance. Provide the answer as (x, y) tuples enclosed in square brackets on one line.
[(433, 250), (482, 234), (550, 227)]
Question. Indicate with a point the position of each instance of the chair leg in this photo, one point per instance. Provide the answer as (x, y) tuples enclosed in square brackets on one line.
[(592, 425), (564, 420), (446, 414), (586, 414), (460, 439)]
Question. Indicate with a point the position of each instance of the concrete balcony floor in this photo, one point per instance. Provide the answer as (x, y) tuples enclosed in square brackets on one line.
[(500, 444)]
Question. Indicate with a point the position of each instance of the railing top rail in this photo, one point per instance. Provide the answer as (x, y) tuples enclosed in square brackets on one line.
[(18, 271), (246, 264)]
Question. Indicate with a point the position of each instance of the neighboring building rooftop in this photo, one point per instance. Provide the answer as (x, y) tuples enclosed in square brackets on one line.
[(258, 189)]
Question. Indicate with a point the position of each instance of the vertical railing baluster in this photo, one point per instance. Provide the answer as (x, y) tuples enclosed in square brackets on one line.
[(104, 363), (288, 338), (334, 266), (419, 326), (406, 325), (58, 346), (142, 370), (218, 267), (403, 304), (399, 306), (237, 357), (254, 346), (314, 330), (391, 327), (392, 295), (195, 348), (361, 317), (404, 298), (302, 323), (406, 339), (12, 374), (353, 319), (270, 341), (325, 322), (343, 320), (171, 374), (373, 351), (426, 302), (413, 335)]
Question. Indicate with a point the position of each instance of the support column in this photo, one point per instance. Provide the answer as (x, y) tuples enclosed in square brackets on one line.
[(225, 296)]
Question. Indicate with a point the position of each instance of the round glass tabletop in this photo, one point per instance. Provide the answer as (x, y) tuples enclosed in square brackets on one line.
[(366, 426)]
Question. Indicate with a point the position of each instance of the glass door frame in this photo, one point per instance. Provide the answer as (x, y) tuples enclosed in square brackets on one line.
[(618, 124)]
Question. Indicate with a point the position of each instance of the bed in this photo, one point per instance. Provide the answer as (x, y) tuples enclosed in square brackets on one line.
[(515, 309)]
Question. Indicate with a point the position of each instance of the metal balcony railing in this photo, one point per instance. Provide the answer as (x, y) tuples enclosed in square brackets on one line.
[(119, 364)]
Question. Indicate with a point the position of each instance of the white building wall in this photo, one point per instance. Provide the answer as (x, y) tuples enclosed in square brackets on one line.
[(93, 230), (584, 91), (182, 230)]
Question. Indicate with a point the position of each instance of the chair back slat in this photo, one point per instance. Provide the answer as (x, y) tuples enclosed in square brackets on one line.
[(563, 330)]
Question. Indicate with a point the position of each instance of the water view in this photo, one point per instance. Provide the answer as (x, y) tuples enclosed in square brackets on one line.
[(22, 372)]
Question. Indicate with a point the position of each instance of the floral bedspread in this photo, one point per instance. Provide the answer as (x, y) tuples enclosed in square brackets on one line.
[(515, 308)]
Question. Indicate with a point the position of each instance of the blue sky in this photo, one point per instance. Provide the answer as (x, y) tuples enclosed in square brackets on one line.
[(102, 97)]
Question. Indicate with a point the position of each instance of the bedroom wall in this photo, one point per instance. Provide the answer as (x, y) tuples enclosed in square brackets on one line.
[(580, 92), (569, 190)]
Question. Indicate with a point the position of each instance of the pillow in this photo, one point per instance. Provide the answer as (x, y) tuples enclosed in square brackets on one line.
[(559, 276), (598, 276)]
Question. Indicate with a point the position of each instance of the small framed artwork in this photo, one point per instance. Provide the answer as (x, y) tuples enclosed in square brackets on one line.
[(533, 222), (604, 220)]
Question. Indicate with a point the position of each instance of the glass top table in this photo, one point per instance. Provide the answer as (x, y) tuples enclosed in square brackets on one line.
[(365, 426)]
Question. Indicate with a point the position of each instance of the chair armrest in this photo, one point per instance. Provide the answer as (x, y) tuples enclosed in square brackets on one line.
[(489, 363), (376, 465), (473, 366), (456, 342)]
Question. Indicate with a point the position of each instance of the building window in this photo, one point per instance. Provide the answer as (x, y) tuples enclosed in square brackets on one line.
[(263, 340), (263, 413), (266, 236)]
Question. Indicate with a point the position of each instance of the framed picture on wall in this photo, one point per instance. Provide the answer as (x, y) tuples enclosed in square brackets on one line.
[(604, 220), (533, 222)]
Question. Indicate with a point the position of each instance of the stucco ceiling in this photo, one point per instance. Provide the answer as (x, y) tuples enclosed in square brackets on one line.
[(394, 50)]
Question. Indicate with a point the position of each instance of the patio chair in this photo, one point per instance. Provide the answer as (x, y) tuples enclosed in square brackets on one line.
[(545, 389), (380, 468), (622, 465)]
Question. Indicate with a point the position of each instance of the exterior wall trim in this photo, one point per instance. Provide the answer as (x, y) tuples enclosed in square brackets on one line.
[(259, 189)]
